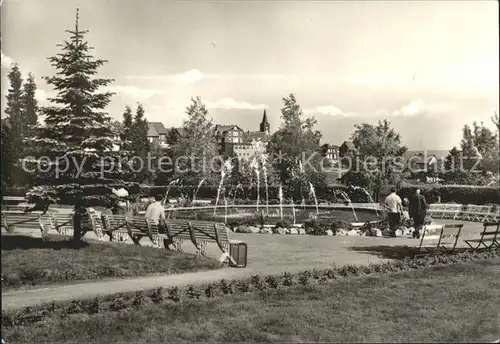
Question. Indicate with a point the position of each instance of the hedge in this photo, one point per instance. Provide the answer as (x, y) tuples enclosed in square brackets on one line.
[(464, 194)]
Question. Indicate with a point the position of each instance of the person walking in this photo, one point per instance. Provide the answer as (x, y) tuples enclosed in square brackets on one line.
[(394, 207), (418, 211)]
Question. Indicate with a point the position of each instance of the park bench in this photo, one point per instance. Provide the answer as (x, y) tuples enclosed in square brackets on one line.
[(452, 211), (139, 227), (47, 224), (476, 212), (12, 220), (443, 242), (176, 231), (200, 233), (490, 237), (436, 210), (445, 210), (116, 227), (63, 223)]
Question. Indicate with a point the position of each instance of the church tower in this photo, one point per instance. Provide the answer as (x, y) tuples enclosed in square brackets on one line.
[(264, 125)]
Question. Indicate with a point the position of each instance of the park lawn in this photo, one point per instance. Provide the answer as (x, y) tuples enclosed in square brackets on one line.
[(454, 303), (31, 262)]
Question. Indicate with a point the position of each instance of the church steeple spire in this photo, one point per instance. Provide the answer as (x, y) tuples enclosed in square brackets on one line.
[(264, 125)]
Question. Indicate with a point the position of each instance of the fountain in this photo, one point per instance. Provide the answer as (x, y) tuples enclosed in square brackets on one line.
[(369, 196), (255, 166), (280, 195), (264, 170), (225, 168), (348, 200), (225, 208), (173, 182), (313, 194), (197, 189), (239, 186)]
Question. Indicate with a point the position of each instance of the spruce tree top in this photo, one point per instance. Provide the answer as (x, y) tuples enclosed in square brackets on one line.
[(77, 128)]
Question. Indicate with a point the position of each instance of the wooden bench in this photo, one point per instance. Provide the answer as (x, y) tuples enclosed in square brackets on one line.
[(490, 237), (452, 211), (176, 232), (116, 227), (436, 210), (63, 223), (200, 233), (12, 220), (139, 227), (445, 241), (476, 212)]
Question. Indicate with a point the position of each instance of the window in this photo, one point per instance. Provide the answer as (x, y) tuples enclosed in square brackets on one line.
[(150, 139)]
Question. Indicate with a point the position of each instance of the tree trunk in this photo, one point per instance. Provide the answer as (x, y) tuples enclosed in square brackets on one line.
[(77, 226)]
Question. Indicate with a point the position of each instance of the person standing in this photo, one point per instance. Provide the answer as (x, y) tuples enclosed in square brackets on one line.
[(393, 204), (418, 211)]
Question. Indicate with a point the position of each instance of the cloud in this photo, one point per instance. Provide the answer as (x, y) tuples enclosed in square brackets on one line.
[(188, 77), (419, 107), (194, 75), (7, 61), (327, 110), (137, 93), (229, 103), (41, 95)]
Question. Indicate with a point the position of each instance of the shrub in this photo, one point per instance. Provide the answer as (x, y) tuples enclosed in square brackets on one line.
[(463, 194), (139, 299), (118, 303), (287, 279), (193, 293), (158, 295), (283, 224), (173, 294)]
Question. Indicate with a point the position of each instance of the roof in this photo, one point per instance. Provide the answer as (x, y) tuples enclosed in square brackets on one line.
[(330, 146), (349, 145), (220, 129), (250, 136), (438, 153), (156, 129), (180, 131), (421, 158)]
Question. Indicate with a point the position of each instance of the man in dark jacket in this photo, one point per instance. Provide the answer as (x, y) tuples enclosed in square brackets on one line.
[(417, 212)]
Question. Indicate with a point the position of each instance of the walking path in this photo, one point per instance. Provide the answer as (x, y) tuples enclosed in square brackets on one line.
[(268, 254)]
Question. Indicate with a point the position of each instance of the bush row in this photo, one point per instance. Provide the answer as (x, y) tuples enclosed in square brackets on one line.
[(464, 194), (122, 301)]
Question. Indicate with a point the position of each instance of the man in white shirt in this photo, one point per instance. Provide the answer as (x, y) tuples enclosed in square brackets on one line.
[(155, 211), (394, 208)]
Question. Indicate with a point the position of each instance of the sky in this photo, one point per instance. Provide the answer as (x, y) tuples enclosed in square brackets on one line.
[(429, 67)]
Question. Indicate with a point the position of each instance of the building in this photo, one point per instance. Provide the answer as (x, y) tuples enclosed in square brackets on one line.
[(347, 148), (331, 152), (232, 140), (157, 134), (227, 137)]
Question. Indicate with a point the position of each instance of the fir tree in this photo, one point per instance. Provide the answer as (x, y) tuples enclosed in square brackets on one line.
[(14, 109), (30, 105), (77, 133), (140, 143), (126, 135)]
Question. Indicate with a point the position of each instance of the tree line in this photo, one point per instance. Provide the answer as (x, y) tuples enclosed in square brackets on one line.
[(78, 128)]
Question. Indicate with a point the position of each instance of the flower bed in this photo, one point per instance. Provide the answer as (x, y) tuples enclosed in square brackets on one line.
[(115, 303)]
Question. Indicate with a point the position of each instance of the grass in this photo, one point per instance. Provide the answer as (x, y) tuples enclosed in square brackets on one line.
[(452, 303), (28, 262)]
